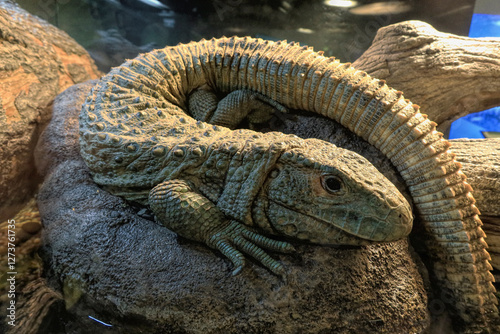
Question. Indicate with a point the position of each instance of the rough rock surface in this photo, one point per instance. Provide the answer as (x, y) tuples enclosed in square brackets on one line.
[(107, 259), (37, 62)]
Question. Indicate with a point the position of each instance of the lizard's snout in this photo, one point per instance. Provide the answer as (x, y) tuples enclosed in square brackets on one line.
[(402, 222), (389, 219), (392, 215), (385, 225)]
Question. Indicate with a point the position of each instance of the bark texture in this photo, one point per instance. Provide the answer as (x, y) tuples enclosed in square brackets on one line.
[(449, 76), (37, 62), (480, 159)]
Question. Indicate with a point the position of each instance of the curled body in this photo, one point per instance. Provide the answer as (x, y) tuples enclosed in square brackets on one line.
[(211, 183)]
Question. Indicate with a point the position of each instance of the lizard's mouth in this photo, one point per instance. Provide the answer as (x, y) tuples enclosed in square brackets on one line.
[(295, 224)]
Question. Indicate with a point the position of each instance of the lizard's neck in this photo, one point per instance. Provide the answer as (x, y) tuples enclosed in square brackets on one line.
[(247, 171), (260, 211)]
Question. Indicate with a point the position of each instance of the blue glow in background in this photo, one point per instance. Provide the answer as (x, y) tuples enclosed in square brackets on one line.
[(485, 25), (472, 126)]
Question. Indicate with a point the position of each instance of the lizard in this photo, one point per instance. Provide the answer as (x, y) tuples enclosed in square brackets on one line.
[(222, 186)]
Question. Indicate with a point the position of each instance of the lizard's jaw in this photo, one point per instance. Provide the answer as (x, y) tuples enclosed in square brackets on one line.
[(340, 227)]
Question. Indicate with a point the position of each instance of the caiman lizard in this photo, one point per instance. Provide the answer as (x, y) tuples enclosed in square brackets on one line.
[(160, 130)]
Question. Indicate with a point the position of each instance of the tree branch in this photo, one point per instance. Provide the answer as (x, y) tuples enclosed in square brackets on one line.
[(449, 76)]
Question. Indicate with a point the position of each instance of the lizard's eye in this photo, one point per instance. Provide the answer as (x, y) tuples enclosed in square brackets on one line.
[(332, 184)]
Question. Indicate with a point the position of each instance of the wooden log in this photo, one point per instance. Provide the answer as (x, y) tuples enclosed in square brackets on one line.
[(480, 159), (449, 76)]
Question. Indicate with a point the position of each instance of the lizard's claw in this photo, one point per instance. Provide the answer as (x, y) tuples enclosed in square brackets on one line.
[(235, 238)]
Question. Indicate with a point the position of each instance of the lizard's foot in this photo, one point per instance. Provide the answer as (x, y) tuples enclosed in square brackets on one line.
[(235, 238), (179, 207)]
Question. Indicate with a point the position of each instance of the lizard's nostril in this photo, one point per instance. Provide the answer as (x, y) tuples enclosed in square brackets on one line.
[(402, 223)]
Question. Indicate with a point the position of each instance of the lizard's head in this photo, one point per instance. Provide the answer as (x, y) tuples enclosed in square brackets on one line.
[(329, 195)]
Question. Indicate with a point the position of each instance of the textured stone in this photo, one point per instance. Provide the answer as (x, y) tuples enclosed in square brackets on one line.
[(37, 62)]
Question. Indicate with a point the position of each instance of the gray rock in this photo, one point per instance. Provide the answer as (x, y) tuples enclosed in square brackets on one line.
[(136, 275)]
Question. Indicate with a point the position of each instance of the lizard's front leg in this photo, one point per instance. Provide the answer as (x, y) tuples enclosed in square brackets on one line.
[(233, 108), (190, 214)]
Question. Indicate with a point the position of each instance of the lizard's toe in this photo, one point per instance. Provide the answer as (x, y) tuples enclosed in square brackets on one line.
[(235, 256), (267, 243), (260, 255)]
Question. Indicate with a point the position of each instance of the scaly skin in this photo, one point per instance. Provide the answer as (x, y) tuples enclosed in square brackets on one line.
[(213, 184)]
